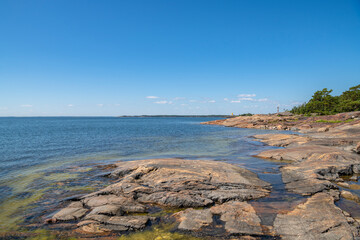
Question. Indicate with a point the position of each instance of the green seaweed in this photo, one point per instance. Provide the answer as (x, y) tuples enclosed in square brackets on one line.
[(60, 176), (42, 234), (161, 232), (9, 209)]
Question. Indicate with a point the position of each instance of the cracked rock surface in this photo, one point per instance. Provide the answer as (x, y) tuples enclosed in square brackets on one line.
[(237, 217), (317, 218), (170, 183), (317, 160)]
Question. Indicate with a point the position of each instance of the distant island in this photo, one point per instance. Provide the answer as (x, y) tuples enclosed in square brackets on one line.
[(221, 116)]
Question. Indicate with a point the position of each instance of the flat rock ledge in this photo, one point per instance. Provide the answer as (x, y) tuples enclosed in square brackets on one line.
[(314, 168), (317, 159), (238, 218), (219, 188), (316, 219)]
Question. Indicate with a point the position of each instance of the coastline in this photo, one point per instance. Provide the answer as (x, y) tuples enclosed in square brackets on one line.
[(207, 204), (324, 166)]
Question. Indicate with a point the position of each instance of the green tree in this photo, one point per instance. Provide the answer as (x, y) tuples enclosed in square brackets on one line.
[(322, 102)]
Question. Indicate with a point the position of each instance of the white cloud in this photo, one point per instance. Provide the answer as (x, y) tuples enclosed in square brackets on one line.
[(192, 100), (212, 101), (247, 95), (70, 105), (3, 108), (26, 105), (162, 102), (235, 101), (226, 99), (183, 104), (263, 100), (246, 99), (152, 97), (100, 105)]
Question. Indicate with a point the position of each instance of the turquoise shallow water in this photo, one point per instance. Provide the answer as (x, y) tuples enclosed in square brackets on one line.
[(43, 160)]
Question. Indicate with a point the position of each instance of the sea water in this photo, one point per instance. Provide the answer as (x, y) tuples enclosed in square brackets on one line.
[(46, 159)]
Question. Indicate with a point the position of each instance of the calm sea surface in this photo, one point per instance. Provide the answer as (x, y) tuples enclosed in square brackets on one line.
[(51, 158)]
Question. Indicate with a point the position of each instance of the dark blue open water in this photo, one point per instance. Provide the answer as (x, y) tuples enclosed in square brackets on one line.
[(37, 154)]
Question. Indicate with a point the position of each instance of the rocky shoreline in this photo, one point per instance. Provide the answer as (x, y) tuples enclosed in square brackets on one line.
[(200, 195), (212, 199), (326, 150)]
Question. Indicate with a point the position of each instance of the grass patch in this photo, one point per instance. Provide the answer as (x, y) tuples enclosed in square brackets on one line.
[(334, 121)]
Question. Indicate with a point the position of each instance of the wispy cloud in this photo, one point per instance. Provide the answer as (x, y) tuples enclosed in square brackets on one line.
[(70, 105), (26, 106), (212, 101), (192, 100), (3, 108), (247, 95), (152, 97), (164, 102), (179, 98), (100, 105), (246, 99)]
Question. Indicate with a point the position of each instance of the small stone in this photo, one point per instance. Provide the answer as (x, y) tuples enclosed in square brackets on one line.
[(69, 213), (343, 184), (97, 217), (110, 210), (357, 148), (354, 178), (350, 196), (131, 222), (323, 129), (191, 219), (76, 204)]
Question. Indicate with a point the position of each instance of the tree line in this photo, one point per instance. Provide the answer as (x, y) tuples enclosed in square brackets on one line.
[(323, 103)]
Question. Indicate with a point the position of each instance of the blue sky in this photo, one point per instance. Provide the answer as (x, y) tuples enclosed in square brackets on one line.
[(109, 58)]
